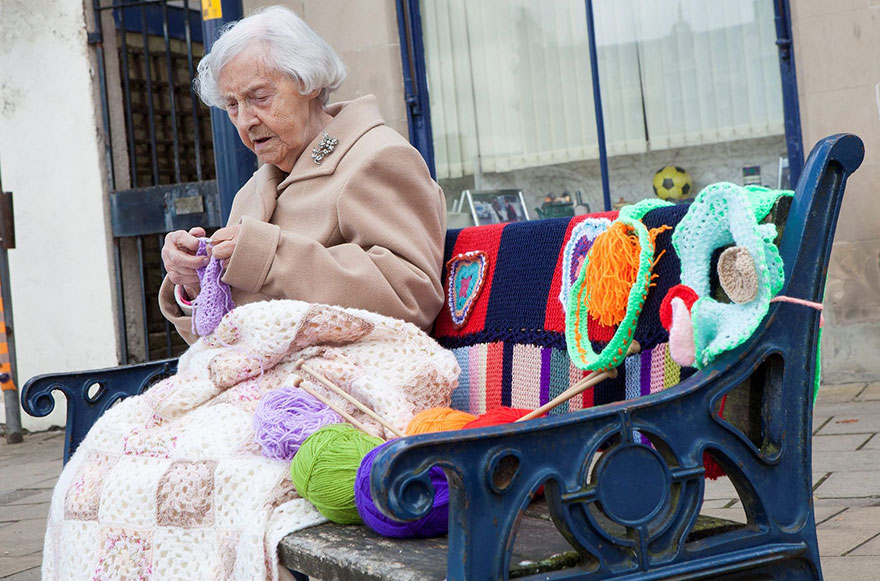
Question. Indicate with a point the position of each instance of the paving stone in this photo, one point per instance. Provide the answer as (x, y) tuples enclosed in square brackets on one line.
[(864, 460), (839, 393), (848, 530), (15, 512), (851, 418), (873, 443), (872, 392), (869, 549), (824, 512), (21, 568), (824, 443), (734, 513), (47, 483), (29, 474), (12, 496), (818, 422), (43, 495), (851, 568), (29, 575), (850, 485), (720, 489), (844, 502), (707, 504), (22, 538)]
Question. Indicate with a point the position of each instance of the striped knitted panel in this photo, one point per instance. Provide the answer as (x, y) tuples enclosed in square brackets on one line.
[(511, 345), (539, 374)]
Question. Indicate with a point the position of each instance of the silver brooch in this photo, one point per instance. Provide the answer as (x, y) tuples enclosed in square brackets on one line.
[(324, 148)]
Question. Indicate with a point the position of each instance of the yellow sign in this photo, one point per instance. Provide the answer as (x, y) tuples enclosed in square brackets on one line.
[(211, 10)]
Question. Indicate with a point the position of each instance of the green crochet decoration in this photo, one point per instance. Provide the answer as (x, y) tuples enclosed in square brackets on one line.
[(727, 214), (577, 339)]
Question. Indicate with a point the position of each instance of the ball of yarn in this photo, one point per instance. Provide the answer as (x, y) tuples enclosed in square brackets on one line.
[(434, 523), (324, 470), (497, 416), (285, 418), (438, 420)]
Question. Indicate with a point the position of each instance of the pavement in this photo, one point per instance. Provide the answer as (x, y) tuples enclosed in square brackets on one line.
[(846, 477)]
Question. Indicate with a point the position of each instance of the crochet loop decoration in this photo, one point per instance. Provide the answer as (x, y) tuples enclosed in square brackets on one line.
[(617, 267), (723, 215)]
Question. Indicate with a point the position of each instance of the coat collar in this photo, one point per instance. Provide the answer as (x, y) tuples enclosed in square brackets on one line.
[(351, 119), (260, 204)]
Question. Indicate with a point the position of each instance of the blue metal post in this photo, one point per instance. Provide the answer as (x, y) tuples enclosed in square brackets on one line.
[(790, 106), (235, 163), (415, 80), (597, 102)]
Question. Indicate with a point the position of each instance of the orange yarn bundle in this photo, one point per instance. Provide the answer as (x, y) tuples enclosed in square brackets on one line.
[(612, 269), (438, 420), (497, 416)]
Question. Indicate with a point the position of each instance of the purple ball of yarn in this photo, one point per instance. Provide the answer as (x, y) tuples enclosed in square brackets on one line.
[(285, 418), (433, 524)]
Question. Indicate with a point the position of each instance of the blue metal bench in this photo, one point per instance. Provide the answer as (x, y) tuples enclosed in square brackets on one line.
[(633, 512)]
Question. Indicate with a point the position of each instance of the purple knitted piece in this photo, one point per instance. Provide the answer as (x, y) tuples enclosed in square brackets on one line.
[(285, 418), (215, 297)]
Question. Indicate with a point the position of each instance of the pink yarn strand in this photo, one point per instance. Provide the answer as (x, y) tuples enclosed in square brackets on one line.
[(818, 306)]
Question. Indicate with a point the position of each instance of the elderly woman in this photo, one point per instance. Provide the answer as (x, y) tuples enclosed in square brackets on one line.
[(342, 211), (191, 480)]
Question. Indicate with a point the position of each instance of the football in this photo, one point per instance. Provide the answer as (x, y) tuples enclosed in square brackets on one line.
[(672, 183)]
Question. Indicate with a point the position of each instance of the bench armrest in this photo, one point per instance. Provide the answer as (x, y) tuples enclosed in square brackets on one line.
[(633, 509), (90, 393)]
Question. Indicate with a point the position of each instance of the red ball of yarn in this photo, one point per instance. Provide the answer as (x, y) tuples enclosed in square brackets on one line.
[(497, 416)]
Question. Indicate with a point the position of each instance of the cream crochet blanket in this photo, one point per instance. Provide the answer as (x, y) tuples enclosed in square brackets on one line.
[(171, 485)]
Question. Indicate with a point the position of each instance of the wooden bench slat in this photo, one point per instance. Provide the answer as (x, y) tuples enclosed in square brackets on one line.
[(339, 552), (354, 553)]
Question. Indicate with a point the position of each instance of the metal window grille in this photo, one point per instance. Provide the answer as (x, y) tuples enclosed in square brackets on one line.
[(159, 153)]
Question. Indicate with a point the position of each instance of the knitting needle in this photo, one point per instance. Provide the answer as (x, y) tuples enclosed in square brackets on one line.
[(589, 381), (339, 391), (298, 382)]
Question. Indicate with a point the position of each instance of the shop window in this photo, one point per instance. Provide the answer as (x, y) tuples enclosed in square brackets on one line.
[(687, 83)]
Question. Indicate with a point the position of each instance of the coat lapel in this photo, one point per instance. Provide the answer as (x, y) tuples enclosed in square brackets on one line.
[(260, 203)]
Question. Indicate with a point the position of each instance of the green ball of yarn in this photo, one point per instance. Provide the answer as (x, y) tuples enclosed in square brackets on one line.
[(324, 470)]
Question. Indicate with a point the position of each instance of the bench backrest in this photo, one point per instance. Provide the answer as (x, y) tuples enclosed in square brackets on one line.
[(511, 347)]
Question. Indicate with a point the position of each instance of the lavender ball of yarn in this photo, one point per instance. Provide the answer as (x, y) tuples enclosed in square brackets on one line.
[(434, 523), (285, 418)]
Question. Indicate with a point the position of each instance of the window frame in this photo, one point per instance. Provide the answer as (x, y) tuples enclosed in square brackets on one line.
[(418, 110)]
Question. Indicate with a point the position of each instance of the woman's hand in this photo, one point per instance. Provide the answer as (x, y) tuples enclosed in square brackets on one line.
[(181, 262), (223, 242)]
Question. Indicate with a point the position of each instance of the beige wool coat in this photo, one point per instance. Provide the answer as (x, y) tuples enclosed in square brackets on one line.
[(363, 229)]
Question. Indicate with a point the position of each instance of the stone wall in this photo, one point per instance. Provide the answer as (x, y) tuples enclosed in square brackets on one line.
[(836, 52), (52, 160)]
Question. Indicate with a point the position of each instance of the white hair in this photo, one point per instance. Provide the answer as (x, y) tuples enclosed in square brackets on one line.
[(286, 44)]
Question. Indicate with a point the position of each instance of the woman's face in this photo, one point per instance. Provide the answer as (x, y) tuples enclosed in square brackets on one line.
[(273, 119)]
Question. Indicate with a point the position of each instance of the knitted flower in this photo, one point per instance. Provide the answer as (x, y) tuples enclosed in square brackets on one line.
[(725, 215)]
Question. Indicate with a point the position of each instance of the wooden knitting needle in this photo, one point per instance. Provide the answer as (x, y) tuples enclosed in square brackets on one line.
[(301, 364), (298, 382), (581, 386)]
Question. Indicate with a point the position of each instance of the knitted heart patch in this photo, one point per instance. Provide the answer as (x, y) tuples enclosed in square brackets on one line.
[(467, 273)]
